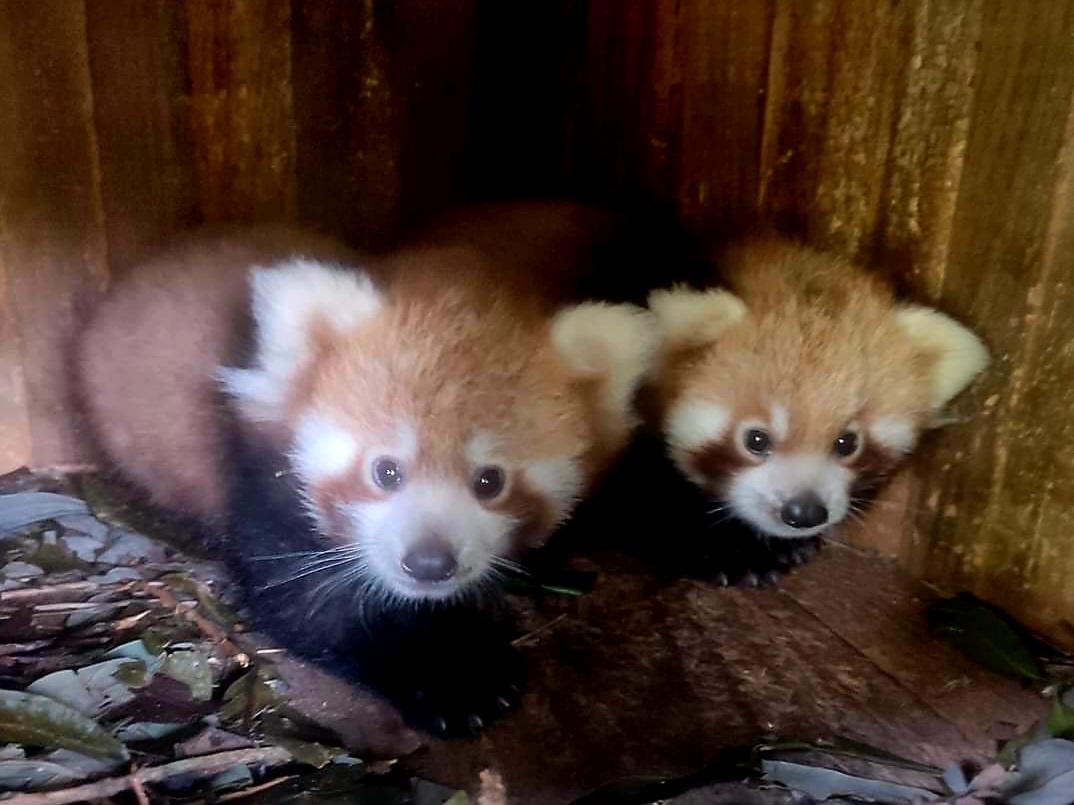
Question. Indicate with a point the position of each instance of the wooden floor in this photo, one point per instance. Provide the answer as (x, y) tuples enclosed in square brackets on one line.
[(651, 677)]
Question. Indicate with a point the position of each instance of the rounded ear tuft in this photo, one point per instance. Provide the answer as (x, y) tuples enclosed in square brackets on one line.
[(611, 343), (689, 318), (288, 302), (958, 354)]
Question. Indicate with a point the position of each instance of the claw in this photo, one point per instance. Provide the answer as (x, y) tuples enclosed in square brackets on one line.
[(720, 579), (474, 722), (503, 703)]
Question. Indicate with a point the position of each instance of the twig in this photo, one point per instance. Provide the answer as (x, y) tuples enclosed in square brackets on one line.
[(257, 789), (139, 790), (161, 592), (518, 641), (67, 588), (204, 764)]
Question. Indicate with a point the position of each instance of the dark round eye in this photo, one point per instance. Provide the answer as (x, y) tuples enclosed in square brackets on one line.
[(488, 482), (757, 441), (387, 474), (846, 444)]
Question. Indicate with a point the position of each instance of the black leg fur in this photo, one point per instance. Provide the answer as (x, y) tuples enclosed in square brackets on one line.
[(645, 507), (449, 668)]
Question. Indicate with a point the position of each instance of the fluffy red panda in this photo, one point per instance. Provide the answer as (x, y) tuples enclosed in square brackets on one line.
[(789, 390), (373, 440)]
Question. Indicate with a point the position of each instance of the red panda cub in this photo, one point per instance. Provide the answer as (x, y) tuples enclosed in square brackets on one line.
[(788, 395), (375, 441)]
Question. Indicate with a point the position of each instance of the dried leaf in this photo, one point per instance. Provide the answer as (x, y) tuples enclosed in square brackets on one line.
[(148, 731), (34, 775), (209, 740), (27, 718), (94, 689), (247, 697), (983, 634), (1061, 720), (23, 509), (821, 784), (312, 754), (193, 669), (206, 600)]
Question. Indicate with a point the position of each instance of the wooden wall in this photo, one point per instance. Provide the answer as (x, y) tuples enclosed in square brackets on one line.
[(122, 121), (931, 138)]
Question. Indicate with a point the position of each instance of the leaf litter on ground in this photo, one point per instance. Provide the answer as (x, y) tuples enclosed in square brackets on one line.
[(116, 644)]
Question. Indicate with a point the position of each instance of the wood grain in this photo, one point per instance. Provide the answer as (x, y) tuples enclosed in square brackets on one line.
[(53, 245), (241, 109), (141, 103), (997, 514)]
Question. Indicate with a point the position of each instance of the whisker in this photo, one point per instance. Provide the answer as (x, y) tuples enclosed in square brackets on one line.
[(304, 572)]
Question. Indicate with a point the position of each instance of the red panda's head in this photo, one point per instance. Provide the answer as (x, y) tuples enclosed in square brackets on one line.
[(437, 430), (792, 399)]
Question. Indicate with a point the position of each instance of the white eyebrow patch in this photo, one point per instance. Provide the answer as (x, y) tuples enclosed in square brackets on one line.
[(894, 433), (560, 480), (781, 422), (696, 423), (482, 448), (322, 449)]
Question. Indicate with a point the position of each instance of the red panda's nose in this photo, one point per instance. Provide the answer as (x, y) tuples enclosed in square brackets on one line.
[(430, 560), (804, 511)]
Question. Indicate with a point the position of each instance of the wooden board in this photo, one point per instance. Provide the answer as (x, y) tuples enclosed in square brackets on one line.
[(646, 678), (53, 246)]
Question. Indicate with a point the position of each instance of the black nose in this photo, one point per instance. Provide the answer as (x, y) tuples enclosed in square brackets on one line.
[(804, 511), (431, 560)]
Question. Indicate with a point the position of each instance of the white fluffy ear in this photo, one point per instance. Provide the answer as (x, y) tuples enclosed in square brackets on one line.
[(689, 318), (959, 355), (288, 301), (611, 343)]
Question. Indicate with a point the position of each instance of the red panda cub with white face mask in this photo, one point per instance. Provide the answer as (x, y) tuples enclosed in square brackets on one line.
[(373, 440), (789, 394)]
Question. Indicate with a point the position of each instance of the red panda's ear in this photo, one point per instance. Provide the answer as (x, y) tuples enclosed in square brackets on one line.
[(958, 355), (614, 344), (689, 318), (291, 303)]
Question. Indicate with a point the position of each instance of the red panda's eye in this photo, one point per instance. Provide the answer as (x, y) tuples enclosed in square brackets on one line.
[(387, 474), (757, 441), (846, 444), (488, 483)]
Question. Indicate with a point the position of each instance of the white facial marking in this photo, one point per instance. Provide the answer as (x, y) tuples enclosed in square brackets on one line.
[(322, 449), (286, 300), (894, 433), (389, 528), (560, 480), (695, 423), (757, 494), (482, 449), (781, 422)]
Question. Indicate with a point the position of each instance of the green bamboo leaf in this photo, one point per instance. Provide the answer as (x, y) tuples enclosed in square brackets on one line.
[(989, 638), (26, 718)]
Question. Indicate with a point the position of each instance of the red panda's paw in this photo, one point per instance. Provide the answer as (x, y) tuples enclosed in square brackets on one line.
[(463, 692), (760, 561)]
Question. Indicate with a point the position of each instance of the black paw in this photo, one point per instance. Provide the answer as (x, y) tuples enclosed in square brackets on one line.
[(751, 562), (460, 694)]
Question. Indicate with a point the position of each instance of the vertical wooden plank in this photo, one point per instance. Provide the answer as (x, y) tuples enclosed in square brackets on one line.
[(53, 246), (997, 516), (137, 53), (525, 77), (241, 109), (382, 105), (15, 437), (347, 119), (725, 54), (836, 79), (433, 46)]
